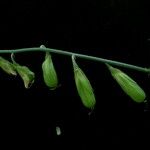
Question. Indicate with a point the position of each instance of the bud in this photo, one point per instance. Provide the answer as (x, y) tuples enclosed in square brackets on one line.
[(7, 66), (128, 85), (83, 86), (49, 73)]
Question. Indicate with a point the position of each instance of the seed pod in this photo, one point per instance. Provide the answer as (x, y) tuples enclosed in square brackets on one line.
[(83, 86), (49, 72), (26, 74), (7, 66), (128, 85)]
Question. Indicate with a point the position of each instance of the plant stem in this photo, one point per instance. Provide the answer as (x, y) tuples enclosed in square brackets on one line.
[(102, 60)]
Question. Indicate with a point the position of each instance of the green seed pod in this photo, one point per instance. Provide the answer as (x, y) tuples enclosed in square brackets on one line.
[(49, 72), (7, 66), (26, 74), (128, 85), (83, 86)]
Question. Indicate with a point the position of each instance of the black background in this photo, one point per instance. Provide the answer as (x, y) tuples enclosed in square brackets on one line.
[(113, 29)]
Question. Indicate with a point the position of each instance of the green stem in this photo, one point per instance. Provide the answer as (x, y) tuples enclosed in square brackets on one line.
[(112, 62)]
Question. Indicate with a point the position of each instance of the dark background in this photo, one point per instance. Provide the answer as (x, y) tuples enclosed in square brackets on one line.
[(113, 29)]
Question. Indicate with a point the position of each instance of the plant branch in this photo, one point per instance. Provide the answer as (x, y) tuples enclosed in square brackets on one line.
[(102, 60)]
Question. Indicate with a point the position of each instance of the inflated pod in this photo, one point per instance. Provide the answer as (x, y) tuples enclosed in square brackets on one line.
[(83, 86), (24, 72), (49, 72), (7, 66), (128, 85)]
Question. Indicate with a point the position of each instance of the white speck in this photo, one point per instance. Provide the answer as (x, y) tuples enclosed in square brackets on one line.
[(58, 131)]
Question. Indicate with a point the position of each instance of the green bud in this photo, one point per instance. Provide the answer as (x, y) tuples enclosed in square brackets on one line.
[(128, 85), (49, 72), (83, 86), (7, 66)]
